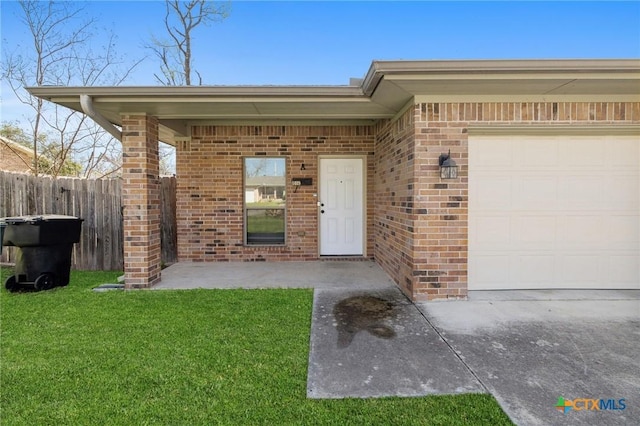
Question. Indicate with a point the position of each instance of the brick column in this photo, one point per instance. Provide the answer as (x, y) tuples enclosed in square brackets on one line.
[(441, 211), (141, 200)]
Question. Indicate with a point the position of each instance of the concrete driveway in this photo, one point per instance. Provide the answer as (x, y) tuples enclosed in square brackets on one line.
[(531, 351)]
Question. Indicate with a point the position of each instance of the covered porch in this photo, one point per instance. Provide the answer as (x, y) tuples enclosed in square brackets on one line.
[(326, 274)]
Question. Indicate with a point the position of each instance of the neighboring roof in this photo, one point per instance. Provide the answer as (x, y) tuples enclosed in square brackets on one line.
[(265, 181), (15, 157), (383, 93), (15, 146)]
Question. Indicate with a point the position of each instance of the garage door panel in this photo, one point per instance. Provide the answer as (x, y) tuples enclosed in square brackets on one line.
[(554, 212), (580, 270), (535, 270), (622, 232), (623, 152), (622, 192), (536, 154), (493, 154), (491, 231), (491, 270), (591, 152), (623, 270), (536, 193), (580, 231), (494, 193), (581, 193), (536, 232)]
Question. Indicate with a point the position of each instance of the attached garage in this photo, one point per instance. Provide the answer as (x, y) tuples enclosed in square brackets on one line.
[(554, 211)]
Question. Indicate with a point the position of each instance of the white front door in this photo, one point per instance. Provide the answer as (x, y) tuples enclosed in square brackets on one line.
[(341, 206)]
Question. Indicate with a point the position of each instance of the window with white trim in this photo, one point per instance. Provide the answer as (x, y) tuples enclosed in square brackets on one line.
[(265, 200)]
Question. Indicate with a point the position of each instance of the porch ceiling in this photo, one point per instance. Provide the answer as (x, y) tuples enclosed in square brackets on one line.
[(385, 90)]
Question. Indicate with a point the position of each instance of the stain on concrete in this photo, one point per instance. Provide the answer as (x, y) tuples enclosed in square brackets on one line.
[(362, 313)]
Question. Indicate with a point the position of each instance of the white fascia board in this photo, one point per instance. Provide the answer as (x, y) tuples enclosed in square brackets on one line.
[(193, 92), (419, 99), (507, 66), (517, 69), (516, 77)]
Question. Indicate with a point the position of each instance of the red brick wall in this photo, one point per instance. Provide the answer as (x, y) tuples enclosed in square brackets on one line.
[(141, 200), (394, 210), (210, 192)]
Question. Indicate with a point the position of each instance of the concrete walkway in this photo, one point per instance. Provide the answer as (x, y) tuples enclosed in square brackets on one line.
[(368, 343)]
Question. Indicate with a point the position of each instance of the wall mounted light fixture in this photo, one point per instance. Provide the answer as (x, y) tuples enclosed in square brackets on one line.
[(302, 167), (448, 167)]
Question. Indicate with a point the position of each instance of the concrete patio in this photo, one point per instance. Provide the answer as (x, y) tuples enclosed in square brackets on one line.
[(329, 274)]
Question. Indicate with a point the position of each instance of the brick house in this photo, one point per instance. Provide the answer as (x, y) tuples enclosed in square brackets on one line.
[(15, 157), (547, 192)]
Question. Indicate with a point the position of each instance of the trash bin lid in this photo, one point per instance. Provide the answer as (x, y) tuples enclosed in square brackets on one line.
[(37, 219)]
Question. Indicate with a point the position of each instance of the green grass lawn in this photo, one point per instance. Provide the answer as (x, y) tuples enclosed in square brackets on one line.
[(265, 221), (267, 204), (265, 224), (70, 356)]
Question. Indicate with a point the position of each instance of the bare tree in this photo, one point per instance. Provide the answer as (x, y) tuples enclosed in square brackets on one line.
[(61, 54), (256, 167), (167, 154), (48, 151), (175, 52)]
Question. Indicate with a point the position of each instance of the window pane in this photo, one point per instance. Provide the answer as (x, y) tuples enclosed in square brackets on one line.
[(264, 196)]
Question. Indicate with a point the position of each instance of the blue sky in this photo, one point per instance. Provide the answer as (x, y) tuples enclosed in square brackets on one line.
[(328, 42)]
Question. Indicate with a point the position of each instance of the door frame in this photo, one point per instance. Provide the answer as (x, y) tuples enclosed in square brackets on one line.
[(363, 158)]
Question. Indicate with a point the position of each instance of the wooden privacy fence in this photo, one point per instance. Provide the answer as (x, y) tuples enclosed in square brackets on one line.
[(98, 202)]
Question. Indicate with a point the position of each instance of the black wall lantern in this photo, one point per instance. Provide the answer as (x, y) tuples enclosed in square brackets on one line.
[(448, 167)]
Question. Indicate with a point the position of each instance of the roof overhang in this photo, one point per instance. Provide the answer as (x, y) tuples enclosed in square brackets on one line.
[(386, 89), (536, 80)]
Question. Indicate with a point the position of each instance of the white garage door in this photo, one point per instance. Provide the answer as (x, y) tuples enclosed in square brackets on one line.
[(554, 212)]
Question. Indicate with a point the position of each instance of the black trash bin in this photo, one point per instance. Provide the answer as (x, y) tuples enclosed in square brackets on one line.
[(2, 226), (43, 255)]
